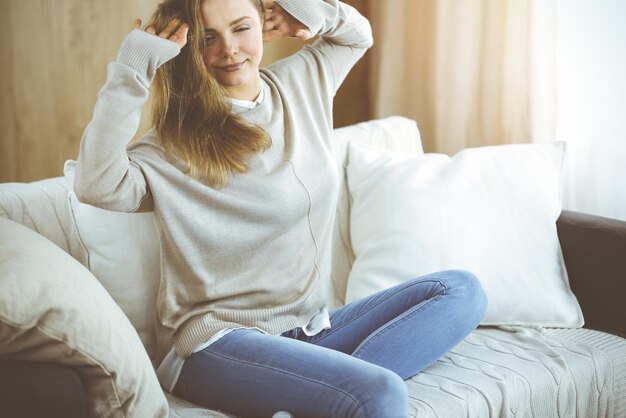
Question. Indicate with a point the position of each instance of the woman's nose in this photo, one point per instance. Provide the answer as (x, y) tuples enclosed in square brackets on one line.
[(230, 47)]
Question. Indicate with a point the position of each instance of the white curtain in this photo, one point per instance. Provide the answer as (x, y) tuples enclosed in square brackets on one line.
[(471, 72), (591, 117), (487, 72)]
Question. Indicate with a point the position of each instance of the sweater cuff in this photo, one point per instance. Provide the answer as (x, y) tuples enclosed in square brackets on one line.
[(144, 52), (311, 14)]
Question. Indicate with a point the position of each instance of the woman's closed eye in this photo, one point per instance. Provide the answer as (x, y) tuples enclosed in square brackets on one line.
[(211, 38)]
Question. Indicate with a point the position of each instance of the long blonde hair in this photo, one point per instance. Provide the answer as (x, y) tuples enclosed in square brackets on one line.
[(190, 111)]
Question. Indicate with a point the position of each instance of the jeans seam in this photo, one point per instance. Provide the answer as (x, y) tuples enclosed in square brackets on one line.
[(391, 324), (333, 330), (346, 394)]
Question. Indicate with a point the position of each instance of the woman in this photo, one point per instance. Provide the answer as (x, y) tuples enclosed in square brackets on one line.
[(240, 173)]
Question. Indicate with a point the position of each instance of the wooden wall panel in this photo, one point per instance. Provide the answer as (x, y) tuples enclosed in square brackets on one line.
[(53, 63), (352, 103), (52, 68)]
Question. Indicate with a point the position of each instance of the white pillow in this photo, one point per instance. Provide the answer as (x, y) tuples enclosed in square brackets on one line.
[(52, 309), (123, 253), (393, 133), (489, 210)]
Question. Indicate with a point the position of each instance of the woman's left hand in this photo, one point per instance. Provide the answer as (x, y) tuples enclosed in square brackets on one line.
[(279, 23)]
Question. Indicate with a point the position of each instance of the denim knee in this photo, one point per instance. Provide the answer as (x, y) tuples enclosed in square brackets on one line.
[(472, 292), (386, 395)]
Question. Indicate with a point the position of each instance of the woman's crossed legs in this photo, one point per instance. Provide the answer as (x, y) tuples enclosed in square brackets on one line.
[(354, 369)]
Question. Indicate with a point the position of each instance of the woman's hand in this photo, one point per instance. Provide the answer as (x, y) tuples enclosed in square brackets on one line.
[(175, 31), (279, 23)]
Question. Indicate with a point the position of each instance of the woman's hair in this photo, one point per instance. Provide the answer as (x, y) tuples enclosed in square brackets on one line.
[(190, 111)]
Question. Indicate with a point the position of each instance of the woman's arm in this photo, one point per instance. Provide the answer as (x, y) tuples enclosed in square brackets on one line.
[(105, 176), (344, 34)]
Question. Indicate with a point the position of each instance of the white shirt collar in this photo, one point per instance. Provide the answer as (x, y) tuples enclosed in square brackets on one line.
[(240, 106)]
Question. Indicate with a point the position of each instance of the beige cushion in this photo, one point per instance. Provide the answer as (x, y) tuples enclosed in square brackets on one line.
[(44, 207), (53, 309), (124, 254)]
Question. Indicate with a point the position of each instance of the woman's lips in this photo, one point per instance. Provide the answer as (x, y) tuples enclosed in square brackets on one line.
[(231, 68)]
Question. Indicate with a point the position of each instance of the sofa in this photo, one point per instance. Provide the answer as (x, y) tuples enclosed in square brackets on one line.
[(78, 284)]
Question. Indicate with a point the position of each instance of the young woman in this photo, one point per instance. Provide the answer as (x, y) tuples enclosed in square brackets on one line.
[(240, 173)]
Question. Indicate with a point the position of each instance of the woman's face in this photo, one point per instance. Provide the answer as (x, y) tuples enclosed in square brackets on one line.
[(233, 45)]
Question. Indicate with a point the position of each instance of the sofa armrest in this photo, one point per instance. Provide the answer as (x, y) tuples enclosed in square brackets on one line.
[(33, 390), (594, 250)]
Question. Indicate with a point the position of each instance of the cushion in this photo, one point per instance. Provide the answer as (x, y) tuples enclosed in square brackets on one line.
[(394, 133), (53, 309), (44, 207), (489, 210), (123, 253)]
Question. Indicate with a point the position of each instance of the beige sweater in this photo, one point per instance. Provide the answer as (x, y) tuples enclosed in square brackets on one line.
[(257, 252)]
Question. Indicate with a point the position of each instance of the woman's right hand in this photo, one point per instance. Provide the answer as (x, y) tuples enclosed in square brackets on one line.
[(175, 31)]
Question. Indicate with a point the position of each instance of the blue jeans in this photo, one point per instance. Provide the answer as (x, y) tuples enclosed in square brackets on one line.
[(354, 369)]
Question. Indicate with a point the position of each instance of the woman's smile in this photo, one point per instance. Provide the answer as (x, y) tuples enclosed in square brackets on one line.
[(231, 68)]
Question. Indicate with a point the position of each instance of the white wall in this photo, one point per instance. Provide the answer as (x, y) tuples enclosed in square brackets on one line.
[(591, 82)]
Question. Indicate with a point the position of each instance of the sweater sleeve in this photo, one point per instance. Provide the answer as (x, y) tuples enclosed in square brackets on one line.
[(105, 176), (344, 34)]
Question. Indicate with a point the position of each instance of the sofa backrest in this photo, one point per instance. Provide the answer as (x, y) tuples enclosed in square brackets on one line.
[(51, 209)]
